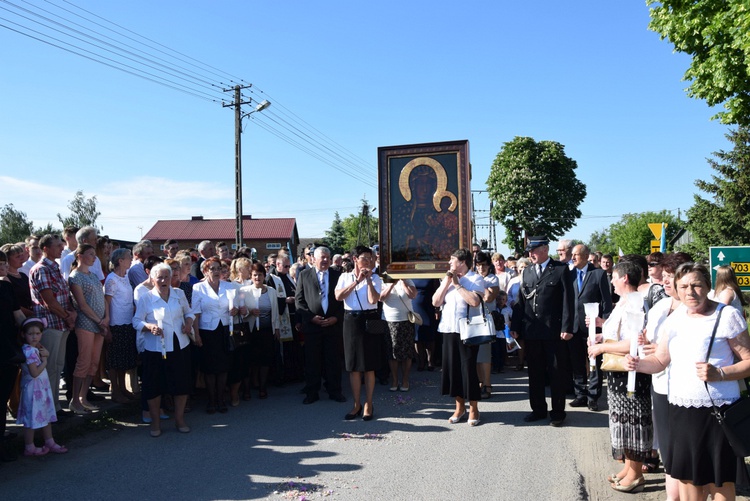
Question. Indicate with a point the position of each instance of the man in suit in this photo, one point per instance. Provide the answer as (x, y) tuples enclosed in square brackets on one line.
[(543, 317), (321, 317), (206, 250), (590, 285), (608, 263)]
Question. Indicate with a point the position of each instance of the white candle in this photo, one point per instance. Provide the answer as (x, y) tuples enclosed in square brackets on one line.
[(159, 317), (592, 311)]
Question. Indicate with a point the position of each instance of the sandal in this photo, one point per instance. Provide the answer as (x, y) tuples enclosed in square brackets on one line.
[(36, 451), (57, 448)]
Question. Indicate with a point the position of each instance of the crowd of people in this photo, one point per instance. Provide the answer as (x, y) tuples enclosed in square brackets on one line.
[(208, 324)]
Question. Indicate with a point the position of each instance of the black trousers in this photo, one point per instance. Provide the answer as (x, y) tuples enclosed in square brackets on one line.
[(323, 350), (549, 356), (585, 386)]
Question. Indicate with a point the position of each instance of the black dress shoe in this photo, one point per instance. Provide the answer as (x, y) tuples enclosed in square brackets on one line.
[(557, 422), (354, 415), (337, 397), (594, 406), (310, 399), (578, 402), (370, 416), (530, 418)]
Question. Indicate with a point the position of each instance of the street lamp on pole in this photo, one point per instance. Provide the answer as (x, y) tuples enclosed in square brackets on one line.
[(238, 116)]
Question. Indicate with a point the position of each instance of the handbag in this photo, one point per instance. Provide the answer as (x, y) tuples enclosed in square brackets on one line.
[(412, 315), (613, 362), (735, 419), (372, 325), (479, 329)]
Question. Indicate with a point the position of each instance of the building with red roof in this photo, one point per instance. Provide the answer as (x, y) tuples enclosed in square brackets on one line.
[(267, 236)]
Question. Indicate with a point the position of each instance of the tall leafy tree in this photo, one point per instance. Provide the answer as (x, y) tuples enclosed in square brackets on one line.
[(715, 34), (632, 234), (535, 190), (722, 215), (82, 211), (335, 238), (14, 225)]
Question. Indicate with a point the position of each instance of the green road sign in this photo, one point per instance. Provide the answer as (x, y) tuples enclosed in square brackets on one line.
[(736, 257)]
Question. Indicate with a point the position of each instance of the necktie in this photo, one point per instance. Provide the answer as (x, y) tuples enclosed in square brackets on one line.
[(580, 279), (323, 292), (538, 269)]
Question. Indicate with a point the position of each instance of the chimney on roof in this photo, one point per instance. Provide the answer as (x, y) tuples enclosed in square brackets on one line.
[(248, 216), (197, 218)]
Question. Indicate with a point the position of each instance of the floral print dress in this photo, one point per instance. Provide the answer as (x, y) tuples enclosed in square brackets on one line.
[(36, 408)]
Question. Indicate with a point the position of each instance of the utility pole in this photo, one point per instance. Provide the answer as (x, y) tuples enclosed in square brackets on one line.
[(238, 116)]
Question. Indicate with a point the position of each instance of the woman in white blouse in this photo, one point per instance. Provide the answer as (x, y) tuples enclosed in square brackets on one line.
[(360, 291), (213, 307), (702, 459), (631, 426), (164, 317), (460, 289), (262, 306), (396, 298)]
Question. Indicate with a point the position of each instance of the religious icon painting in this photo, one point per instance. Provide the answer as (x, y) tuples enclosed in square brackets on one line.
[(425, 207)]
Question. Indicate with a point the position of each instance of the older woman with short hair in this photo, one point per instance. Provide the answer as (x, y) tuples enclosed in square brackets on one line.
[(700, 456), (460, 289), (165, 319), (630, 424)]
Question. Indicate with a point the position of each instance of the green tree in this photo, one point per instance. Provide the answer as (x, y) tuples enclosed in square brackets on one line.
[(534, 189), (360, 228), (723, 217), (335, 238), (632, 234), (715, 34), (82, 211), (599, 241), (14, 225)]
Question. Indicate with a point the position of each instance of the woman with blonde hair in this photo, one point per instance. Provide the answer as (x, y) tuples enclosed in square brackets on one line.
[(727, 290)]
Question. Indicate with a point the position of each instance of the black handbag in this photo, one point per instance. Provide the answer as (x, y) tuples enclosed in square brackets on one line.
[(734, 419), (376, 326)]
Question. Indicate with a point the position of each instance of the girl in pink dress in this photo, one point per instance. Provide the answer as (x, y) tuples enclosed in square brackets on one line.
[(36, 409)]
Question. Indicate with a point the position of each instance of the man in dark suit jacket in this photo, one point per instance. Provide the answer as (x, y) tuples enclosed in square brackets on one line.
[(590, 285), (544, 318), (322, 318)]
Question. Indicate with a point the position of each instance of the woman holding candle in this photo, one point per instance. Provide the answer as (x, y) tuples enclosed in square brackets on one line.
[(164, 317), (630, 426), (700, 456)]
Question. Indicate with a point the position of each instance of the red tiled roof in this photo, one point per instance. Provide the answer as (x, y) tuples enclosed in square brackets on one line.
[(223, 229)]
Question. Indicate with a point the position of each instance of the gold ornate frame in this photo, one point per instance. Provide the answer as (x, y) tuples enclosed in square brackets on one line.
[(424, 215)]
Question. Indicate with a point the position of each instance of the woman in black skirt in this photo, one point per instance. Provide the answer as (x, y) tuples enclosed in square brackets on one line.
[(460, 289), (360, 290), (164, 317), (213, 315), (701, 457), (631, 427)]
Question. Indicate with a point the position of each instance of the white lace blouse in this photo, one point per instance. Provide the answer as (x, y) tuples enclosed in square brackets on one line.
[(688, 343)]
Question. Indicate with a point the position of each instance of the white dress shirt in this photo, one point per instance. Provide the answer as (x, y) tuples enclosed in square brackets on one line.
[(212, 307), (174, 311)]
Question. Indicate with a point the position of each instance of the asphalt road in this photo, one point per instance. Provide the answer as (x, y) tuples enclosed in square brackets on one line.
[(280, 449)]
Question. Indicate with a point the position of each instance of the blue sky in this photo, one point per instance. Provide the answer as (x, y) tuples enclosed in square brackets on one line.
[(366, 74)]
